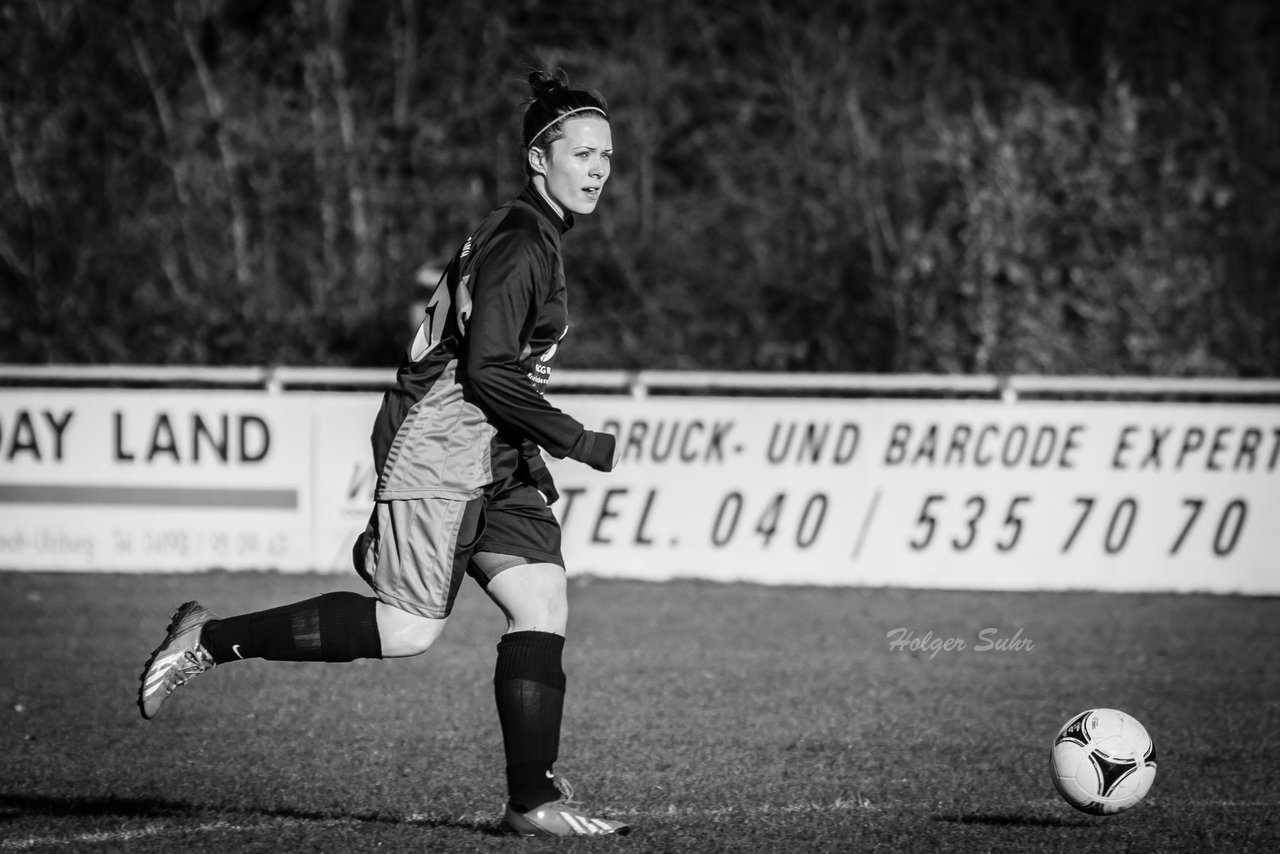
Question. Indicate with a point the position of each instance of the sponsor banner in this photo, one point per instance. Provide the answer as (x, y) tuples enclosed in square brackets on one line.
[(144, 480), (916, 493), (964, 494)]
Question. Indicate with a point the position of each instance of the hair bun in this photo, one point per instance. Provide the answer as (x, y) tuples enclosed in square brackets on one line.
[(544, 83), (552, 102)]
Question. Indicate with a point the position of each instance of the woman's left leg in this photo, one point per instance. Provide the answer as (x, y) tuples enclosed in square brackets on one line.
[(533, 597), (529, 681), (529, 687)]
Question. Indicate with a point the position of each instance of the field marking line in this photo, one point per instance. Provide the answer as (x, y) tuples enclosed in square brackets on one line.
[(850, 804), (158, 829), (100, 836), (673, 811), (856, 804), (162, 829), (866, 525)]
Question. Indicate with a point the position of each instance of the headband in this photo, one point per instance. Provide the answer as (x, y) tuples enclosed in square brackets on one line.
[(534, 138)]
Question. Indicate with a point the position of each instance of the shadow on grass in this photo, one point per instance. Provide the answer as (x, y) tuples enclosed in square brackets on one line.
[(1011, 820), (15, 806)]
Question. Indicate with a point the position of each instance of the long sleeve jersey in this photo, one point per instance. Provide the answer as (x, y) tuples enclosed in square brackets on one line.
[(467, 407)]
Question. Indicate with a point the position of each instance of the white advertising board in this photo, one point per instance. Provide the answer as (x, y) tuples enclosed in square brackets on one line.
[(972, 494), (142, 480), (963, 494)]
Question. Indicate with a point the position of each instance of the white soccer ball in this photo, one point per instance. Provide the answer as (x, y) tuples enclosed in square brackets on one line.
[(1103, 761)]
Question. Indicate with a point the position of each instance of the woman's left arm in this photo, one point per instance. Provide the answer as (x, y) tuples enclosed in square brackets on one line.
[(497, 332)]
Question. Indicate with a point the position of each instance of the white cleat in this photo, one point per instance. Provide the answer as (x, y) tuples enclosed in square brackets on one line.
[(177, 660), (558, 818)]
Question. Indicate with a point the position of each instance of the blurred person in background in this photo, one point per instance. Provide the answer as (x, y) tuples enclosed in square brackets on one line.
[(462, 488)]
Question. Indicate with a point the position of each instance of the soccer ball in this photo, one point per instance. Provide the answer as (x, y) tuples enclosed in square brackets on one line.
[(1103, 762)]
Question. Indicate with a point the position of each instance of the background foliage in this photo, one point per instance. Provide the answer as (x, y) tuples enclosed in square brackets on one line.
[(872, 185)]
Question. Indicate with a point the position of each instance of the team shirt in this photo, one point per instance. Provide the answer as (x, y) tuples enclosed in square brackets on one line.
[(467, 407)]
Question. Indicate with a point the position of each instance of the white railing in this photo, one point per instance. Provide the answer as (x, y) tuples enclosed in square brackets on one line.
[(645, 383)]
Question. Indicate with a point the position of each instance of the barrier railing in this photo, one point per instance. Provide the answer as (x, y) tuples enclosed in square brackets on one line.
[(661, 383), (1117, 483)]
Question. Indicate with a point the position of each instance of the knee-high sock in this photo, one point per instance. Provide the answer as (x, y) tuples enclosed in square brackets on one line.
[(332, 627), (528, 684)]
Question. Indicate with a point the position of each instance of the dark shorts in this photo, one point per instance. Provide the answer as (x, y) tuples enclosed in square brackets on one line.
[(415, 551)]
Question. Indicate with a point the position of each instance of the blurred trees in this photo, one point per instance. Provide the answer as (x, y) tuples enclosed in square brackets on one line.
[(873, 185)]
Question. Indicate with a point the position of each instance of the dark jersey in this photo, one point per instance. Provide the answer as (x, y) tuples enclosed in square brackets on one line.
[(467, 408)]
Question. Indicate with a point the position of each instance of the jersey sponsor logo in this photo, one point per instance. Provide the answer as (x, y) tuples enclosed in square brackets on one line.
[(541, 373)]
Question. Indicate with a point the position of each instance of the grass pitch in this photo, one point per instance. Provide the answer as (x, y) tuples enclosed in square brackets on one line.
[(713, 717)]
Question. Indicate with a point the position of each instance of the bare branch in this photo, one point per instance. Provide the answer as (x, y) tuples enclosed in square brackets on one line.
[(227, 152)]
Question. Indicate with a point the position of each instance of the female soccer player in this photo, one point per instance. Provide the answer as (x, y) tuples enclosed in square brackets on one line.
[(462, 488)]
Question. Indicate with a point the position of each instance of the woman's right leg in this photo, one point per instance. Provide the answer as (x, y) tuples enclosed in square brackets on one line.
[(333, 627), (416, 548)]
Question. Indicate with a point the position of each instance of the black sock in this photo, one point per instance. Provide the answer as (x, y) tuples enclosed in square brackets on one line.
[(528, 684), (332, 627)]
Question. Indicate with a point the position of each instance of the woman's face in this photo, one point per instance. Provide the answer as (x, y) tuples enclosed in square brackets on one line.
[(577, 165)]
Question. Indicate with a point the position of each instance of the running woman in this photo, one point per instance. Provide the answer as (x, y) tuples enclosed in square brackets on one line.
[(462, 488)]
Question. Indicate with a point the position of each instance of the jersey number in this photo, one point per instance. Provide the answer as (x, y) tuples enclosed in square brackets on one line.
[(431, 330)]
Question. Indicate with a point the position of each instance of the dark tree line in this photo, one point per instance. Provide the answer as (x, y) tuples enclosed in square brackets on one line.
[(959, 186)]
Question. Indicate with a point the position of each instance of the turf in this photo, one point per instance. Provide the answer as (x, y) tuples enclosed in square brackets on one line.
[(713, 717)]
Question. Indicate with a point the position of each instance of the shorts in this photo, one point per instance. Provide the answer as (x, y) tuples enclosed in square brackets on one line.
[(415, 551)]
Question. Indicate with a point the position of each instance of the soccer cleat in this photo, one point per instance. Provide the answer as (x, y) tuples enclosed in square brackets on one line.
[(557, 818), (176, 661)]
